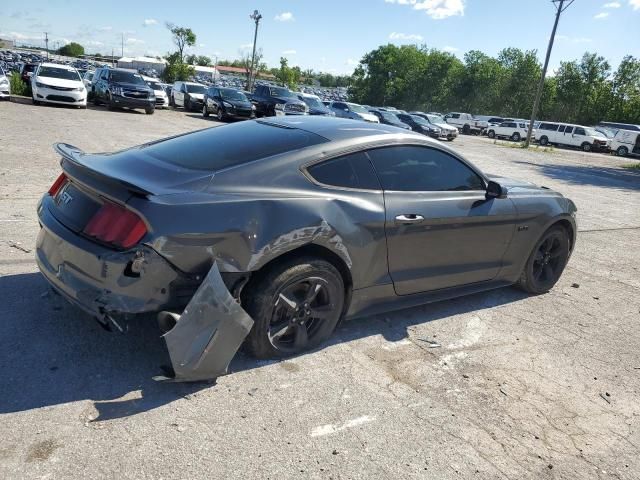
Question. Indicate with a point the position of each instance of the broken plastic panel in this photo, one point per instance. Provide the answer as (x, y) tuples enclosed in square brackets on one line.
[(208, 333)]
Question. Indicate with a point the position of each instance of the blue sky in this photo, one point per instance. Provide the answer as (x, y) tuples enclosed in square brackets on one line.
[(332, 35)]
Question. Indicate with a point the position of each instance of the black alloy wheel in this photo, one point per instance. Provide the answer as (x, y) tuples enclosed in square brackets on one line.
[(547, 261), (220, 114), (295, 307)]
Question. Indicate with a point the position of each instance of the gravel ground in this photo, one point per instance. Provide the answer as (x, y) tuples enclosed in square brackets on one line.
[(521, 387)]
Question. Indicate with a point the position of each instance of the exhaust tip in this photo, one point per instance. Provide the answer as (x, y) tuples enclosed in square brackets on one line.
[(167, 320)]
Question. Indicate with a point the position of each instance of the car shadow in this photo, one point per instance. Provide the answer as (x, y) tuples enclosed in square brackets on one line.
[(54, 354), (590, 175)]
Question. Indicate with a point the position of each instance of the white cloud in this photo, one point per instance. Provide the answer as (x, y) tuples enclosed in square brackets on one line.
[(202, 45), (635, 4), (351, 62), (450, 49), (149, 21), (285, 17), (246, 46), (612, 5), (105, 29), (133, 41), (405, 36), (601, 15), (94, 43), (289, 52), (436, 9)]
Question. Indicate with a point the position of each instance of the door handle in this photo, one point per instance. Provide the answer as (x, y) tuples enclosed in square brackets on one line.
[(409, 218)]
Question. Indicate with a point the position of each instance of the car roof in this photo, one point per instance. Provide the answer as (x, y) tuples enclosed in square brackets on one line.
[(57, 65), (334, 128)]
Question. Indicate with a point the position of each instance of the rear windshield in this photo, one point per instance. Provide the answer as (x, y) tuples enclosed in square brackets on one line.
[(227, 146)]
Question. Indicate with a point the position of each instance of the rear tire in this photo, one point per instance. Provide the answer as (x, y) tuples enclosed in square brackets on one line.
[(546, 262), (544, 141), (149, 110), (283, 302), (466, 129), (622, 151), (515, 137), (491, 134)]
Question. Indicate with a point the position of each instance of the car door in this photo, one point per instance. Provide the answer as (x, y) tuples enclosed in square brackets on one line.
[(441, 229), (576, 136)]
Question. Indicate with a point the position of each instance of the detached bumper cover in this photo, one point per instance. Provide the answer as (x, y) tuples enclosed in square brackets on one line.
[(208, 333)]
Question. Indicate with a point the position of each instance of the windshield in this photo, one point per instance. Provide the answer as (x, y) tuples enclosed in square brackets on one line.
[(354, 107), (88, 75), (155, 85), (192, 88), (593, 132), (435, 119), (608, 132), (389, 117), (419, 120), (313, 102), (281, 92), (63, 73), (230, 94), (127, 77)]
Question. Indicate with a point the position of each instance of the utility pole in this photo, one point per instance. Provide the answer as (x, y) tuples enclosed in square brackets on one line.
[(215, 70), (256, 18), (122, 45), (560, 7), (46, 41)]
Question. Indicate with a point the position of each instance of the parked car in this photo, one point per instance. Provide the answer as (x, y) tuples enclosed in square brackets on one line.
[(626, 142), (162, 100), (420, 125), (389, 118), (188, 95), (513, 130), (241, 237), (5, 91), (466, 122), (448, 132), (316, 107), (120, 87), (87, 79), (492, 121), (56, 83), (586, 138), (352, 111), (26, 70), (227, 103), (271, 101)]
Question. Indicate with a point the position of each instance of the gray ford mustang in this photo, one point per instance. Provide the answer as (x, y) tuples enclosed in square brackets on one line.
[(269, 232)]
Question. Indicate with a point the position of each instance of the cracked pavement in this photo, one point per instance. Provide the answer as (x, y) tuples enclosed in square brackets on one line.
[(495, 385)]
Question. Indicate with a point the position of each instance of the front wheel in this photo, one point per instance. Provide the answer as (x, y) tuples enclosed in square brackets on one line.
[(295, 306), (149, 110), (220, 114), (546, 262), (515, 137), (622, 151), (205, 111), (491, 134), (544, 141), (586, 147)]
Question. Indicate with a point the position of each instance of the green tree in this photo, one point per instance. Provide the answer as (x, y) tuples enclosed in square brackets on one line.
[(287, 75), (200, 60), (176, 70), (182, 38), (72, 49)]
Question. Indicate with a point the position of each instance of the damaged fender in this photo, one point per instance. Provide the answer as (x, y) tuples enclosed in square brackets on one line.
[(209, 332)]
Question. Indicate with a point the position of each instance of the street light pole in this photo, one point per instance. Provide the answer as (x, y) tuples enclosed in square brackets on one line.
[(255, 16), (561, 7), (215, 70)]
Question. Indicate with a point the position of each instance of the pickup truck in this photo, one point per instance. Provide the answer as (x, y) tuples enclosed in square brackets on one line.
[(271, 101), (466, 122)]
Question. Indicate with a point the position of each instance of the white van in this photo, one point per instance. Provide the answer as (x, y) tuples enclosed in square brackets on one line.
[(516, 131), (586, 138), (626, 142)]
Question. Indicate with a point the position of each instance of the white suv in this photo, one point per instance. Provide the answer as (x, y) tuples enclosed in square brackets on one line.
[(162, 99), (516, 131), (54, 83), (586, 138)]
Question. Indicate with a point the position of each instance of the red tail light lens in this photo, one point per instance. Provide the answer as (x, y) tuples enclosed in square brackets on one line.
[(58, 184), (116, 225)]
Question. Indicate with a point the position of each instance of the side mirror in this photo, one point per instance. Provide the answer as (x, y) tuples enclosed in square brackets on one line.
[(495, 190)]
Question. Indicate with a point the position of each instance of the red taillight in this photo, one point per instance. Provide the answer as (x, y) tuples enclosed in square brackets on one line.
[(116, 225), (58, 184)]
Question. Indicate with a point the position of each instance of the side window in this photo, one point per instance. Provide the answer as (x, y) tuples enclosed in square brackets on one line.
[(513, 125), (351, 171), (569, 130), (561, 129), (422, 169), (455, 115), (580, 131), (549, 126), (504, 124), (339, 105)]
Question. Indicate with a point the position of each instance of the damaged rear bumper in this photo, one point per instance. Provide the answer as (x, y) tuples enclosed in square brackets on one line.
[(103, 283)]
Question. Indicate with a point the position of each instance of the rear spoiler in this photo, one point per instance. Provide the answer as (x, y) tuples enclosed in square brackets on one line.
[(74, 156)]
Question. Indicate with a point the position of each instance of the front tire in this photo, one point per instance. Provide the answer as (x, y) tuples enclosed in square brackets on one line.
[(622, 151), (515, 137), (220, 114), (491, 134), (205, 111), (546, 262), (295, 306), (149, 110), (544, 141), (586, 147)]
